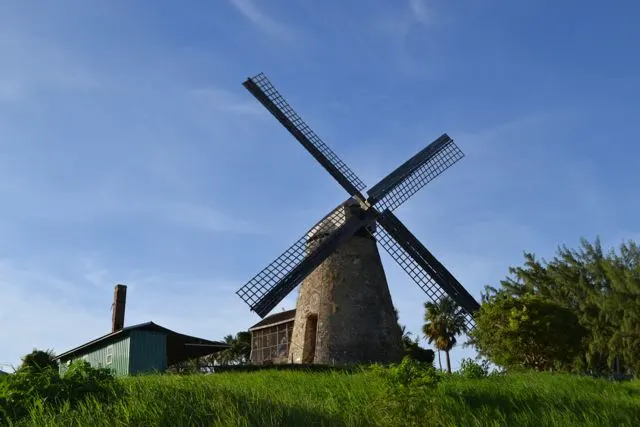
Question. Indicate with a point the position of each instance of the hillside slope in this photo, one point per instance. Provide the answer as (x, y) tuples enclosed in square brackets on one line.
[(272, 398)]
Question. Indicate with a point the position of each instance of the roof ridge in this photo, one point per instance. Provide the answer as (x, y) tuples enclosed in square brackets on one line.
[(279, 317)]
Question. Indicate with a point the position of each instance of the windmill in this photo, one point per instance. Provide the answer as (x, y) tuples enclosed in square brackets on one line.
[(344, 311)]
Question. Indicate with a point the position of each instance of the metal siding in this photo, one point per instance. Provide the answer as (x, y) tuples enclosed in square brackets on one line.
[(148, 352), (98, 357), (121, 356)]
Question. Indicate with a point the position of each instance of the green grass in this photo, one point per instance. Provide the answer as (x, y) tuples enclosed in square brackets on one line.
[(272, 398)]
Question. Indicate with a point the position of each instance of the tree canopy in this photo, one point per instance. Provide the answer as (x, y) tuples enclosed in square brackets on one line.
[(413, 350), (239, 351), (529, 332), (601, 289), (38, 361), (444, 321)]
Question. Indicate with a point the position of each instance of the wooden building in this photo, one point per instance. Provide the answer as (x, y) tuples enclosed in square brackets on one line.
[(146, 347), (271, 338)]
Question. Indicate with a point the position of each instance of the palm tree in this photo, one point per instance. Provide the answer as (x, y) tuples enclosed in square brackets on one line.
[(406, 336), (239, 350), (444, 320)]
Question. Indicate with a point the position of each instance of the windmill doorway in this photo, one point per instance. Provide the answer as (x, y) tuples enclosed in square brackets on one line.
[(310, 333)]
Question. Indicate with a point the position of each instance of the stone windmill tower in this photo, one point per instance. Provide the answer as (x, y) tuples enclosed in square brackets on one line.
[(344, 312)]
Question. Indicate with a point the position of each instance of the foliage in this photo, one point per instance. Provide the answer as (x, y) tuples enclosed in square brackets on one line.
[(413, 350), (471, 369), (444, 321), (407, 341), (38, 361), (190, 366), (602, 290), (34, 385), (281, 398), (527, 332), (80, 380), (240, 351), (419, 354), (406, 386), (408, 373)]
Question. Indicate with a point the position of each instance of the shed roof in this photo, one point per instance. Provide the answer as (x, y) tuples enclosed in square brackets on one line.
[(179, 346), (275, 319)]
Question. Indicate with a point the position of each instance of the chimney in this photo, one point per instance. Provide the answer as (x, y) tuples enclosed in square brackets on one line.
[(117, 309)]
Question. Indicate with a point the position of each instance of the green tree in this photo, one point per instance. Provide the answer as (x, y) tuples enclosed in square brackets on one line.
[(527, 332), (38, 361), (413, 350), (239, 351), (601, 289), (444, 321), (407, 341), (622, 308)]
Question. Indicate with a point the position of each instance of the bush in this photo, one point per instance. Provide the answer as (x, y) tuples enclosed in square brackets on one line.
[(81, 380), (412, 373), (27, 387), (419, 354), (409, 385), (408, 373), (471, 369), (38, 361)]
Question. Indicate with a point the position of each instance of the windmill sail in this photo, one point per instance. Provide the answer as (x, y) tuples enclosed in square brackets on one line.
[(262, 89), (416, 260), (417, 172)]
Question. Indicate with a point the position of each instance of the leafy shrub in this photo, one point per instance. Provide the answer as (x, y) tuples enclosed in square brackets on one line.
[(81, 380), (44, 386), (412, 373), (408, 373), (409, 384), (471, 369), (22, 389), (38, 361), (419, 354)]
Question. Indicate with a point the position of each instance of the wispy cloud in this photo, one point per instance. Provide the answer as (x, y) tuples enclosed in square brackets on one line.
[(83, 208), (31, 65), (201, 217), (226, 101), (262, 21), (37, 314), (419, 11), (408, 31)]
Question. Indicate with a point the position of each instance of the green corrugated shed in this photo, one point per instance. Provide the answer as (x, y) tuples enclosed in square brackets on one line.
[(146, 347), (148, 352), (98, 356)]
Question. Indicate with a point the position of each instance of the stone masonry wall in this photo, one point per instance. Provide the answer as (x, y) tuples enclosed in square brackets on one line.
[(355, 317)]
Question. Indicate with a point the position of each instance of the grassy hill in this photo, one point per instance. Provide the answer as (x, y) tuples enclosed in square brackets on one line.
[(277, 398)]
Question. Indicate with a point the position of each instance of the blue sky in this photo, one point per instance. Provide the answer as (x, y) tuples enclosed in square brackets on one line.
[(130, 152)]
